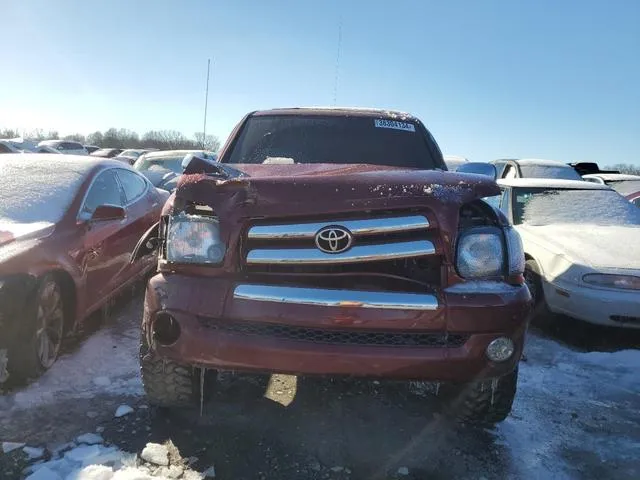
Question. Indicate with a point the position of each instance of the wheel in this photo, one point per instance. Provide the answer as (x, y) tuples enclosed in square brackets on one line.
[(41, 338), (166, 383), (483, 403), (533, 279)]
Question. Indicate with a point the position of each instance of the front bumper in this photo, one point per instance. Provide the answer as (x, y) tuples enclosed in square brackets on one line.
[(227, 325), (594, 305)]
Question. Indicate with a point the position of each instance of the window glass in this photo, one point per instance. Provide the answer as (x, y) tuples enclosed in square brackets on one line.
[(510, 172), (544, 206), (104, 191), (134, 186)]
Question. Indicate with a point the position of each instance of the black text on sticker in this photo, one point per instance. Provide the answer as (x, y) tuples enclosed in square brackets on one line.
[(407, 127)]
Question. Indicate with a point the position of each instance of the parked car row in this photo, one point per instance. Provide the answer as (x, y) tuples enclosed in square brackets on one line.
[(321, 241)]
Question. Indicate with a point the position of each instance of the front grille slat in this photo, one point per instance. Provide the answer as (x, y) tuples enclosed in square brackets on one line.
[(338, 337)]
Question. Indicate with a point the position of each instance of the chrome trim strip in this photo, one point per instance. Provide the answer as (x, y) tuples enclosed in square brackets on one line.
[(336, 298), (359, 253), (356, 227)]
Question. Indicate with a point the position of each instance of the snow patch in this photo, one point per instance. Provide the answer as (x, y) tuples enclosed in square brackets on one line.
[(74, 375), (123, 410), (156, 454), (11, 446), (33, 453), (89, 438)]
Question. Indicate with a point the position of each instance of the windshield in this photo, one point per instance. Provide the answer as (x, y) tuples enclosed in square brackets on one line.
[(549, 171), (539, 206), (332, 139), (625, 187), (171, 163), (130, 153), (33, 191)]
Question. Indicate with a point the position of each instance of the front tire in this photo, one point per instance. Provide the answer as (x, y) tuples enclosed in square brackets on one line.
[(166, 383), (533, 279), (483, 403), (41, 338)]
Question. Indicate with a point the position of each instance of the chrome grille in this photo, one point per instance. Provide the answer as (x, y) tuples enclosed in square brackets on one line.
[(374, 239), (338, 337)]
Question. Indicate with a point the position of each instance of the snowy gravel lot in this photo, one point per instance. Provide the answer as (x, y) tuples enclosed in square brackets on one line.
[(577, 415)]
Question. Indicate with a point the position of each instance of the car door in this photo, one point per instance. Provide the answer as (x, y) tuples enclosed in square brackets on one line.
[(142, 204), (105, 250)]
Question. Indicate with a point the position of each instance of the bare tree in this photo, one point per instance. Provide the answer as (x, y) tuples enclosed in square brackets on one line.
[(625, 168), (95, 138), (210, 143), (75, 137), (8, 133)]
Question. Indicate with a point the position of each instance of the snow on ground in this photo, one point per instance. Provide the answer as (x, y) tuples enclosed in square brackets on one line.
[(106, 362), (574, 412), (107, 462), (573, 404)]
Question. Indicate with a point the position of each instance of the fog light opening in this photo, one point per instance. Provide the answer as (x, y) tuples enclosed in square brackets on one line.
[(500, 349), (166, 329)]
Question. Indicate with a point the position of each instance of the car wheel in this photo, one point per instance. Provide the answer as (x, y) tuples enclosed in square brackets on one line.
[(482, 403), (533, 279), (166, 383), (41, 339)]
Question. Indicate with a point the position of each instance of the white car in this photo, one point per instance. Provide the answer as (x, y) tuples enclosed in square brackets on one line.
[(65, 146), (582, 248), (20, 145), (454, 161), (534, 168), (624, 184)]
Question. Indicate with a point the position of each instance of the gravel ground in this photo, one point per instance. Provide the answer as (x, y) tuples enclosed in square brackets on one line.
[(577, 415)]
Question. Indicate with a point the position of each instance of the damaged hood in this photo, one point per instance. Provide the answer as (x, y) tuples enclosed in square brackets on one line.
[(303, 189)]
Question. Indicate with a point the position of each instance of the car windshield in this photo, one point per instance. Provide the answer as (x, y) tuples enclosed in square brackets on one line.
[(171, 163), (130, 153), (543, 206), (625, 187), (549, 171), (332, 139), (33, 191)]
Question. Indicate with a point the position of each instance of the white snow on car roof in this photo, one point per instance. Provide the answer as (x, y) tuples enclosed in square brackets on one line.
[(40, 187), (612, 176), (551, 183), (540, 161), (381, 111), (455, 158)]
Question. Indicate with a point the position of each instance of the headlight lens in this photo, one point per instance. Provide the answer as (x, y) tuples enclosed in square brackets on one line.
[(515, 251), (480, 253), (194, 239), (624, 282)]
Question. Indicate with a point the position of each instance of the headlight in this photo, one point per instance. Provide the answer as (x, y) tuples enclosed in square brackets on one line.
[(480, 253), (194, 239), (625, 282), (515, 251)]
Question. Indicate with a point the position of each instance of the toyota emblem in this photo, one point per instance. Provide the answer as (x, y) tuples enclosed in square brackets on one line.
[(334, 239)]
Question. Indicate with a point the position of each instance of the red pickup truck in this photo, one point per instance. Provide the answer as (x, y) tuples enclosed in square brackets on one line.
[(334, 242)]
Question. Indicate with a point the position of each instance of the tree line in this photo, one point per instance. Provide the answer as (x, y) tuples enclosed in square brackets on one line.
[(124, 138)]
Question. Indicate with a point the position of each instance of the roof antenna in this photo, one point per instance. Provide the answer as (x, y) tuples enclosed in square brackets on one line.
[(206, 103), (335, 81)]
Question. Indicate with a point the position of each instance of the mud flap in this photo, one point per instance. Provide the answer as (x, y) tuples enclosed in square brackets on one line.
[(147, 244)]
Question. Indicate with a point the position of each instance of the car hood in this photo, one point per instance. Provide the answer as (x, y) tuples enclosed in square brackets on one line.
[(326, 188), (616, 247), (11, 232)]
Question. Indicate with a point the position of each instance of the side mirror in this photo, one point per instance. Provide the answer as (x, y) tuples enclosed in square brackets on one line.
[(104, 213), (479, 168)]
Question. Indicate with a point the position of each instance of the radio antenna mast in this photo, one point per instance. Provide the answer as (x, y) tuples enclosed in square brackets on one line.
[(337, 72), (206, 102)]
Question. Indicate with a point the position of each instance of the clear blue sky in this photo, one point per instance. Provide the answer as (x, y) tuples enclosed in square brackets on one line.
[(490, 79)]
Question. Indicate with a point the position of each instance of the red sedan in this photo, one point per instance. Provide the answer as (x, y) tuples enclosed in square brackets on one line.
[(68, 226)]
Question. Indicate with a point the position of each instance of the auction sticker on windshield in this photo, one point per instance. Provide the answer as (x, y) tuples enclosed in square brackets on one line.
[(407, 127)]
